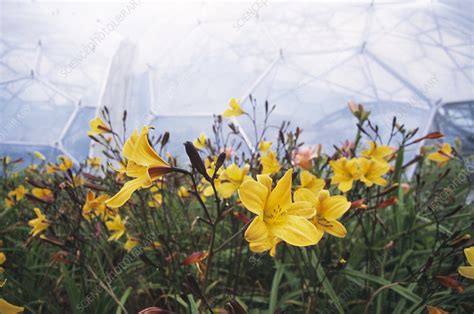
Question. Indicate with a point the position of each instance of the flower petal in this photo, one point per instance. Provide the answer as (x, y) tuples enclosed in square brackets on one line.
[(144, 154), (336, 229), (257, 230), (266, 180), (259, 247), (469, 252), (334, 207), (125, 193), (303, 209), (466, 271), (6, 307), (305, 195), (345, 186), (295, 230), (281, 194), (253, 195), (226, 189)]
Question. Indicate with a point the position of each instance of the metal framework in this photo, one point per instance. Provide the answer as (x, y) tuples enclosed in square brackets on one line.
[(404, 58)]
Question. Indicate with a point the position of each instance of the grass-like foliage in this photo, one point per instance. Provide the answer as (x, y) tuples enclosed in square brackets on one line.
[(260, 223)]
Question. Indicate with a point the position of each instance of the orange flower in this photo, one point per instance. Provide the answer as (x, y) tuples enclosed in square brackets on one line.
[(303, 156)]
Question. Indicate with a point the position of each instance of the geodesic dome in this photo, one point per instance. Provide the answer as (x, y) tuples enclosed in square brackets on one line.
[(174, 65)]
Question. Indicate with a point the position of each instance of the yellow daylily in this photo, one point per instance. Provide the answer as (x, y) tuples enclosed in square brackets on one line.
[(234, 109), (372, 170), (205, 188), (435, 310), (95, 206), (8, 203), (3, 258), (94, 162), (97, 126), (277, 216), (143, 164), (183, 192), (157, 200), (379, 152), (19, 193), (442, 156), (468, 271), (311, 182), (130, 243), (43, 194), (328, 210), (231, 179), (39, 155), (8, 308), (116, 227), (50, 169), (345, 173), (268, 244), (270, 163), (264, 146), (39, 224), (65, 164), (201, 141)]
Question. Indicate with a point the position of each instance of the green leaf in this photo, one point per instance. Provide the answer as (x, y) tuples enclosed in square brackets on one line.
[(192, 303), (275, 286), (404, 292), (123, 299), (326, 284)]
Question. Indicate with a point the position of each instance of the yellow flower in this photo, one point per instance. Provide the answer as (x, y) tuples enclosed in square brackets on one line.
[(231, 179), (3, 258), (328, 210), (205, 188), (311, 182), (50, 169), (94, 162), (345, 172), (66, 163), (183, 192), (95, 206), (156, 201), (276, 216), (130, 244), (144, 164), (435, 310), (116, 227), (372, 171), (264, 146), (38, 155), (270, 243), (43, 194), (468, 271), (18, 193), (270, 163), (32, 167), (379, 152), (442, 156), (38, 224), (8, 308), (8, 203), (234, 109), (97, 127), (201, 141)]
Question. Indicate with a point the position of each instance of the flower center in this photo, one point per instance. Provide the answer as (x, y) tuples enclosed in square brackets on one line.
[(323, 222), (274, 215)]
